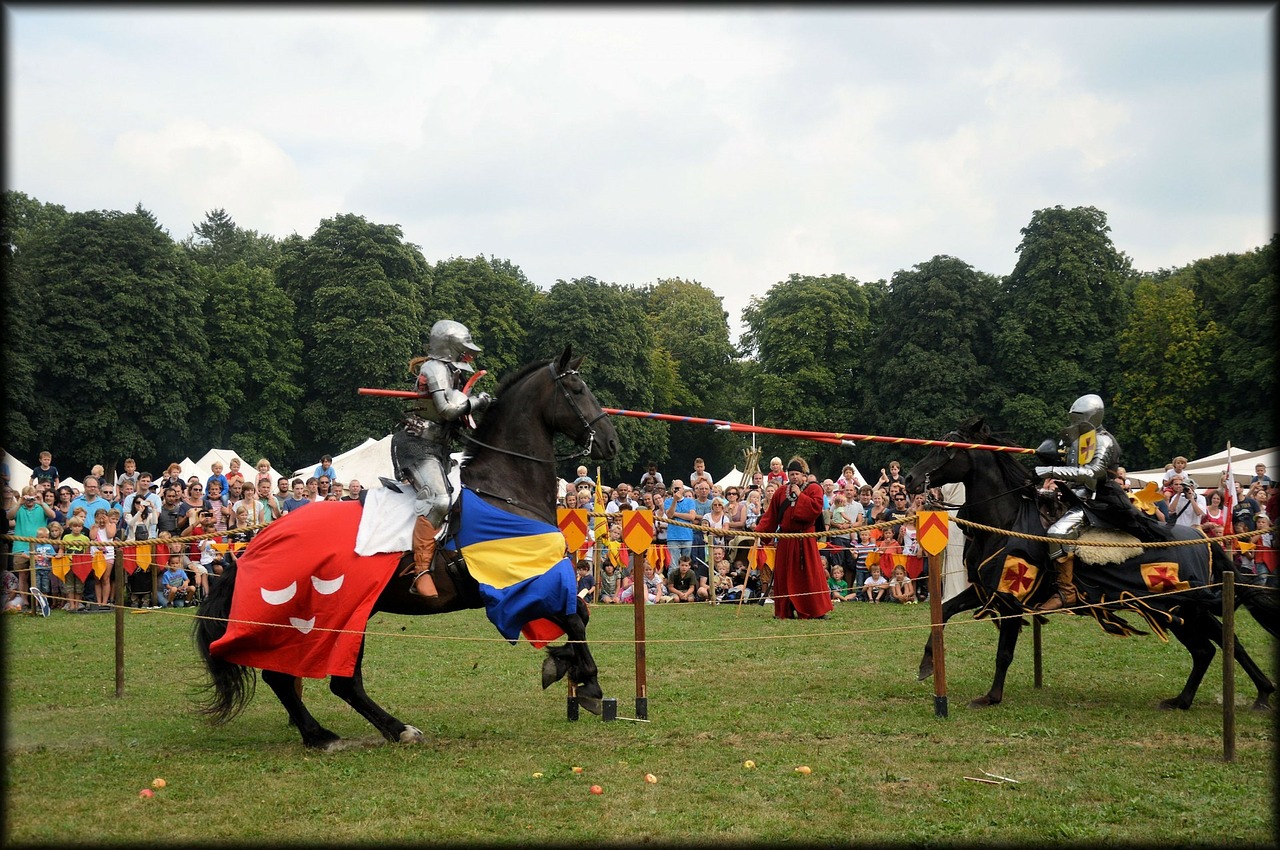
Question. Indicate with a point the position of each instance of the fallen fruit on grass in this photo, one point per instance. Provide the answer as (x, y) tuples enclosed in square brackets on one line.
[(537, 775), (158, 783), (805, 769), (651, 779), (748, 764), (577, 770), (146, 792), (596, 789)]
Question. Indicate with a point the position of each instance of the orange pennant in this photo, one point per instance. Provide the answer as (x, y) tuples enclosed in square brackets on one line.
[(637, 530), (99, 563), (573, 525), (144, 557), (61, 566), (932, 530)]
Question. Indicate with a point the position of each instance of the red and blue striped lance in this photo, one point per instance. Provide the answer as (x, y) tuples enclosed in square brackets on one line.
[(834, 437)]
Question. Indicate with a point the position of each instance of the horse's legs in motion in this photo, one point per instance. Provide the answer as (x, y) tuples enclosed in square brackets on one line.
[(962, 601), (575, 659), (1010, 628), (350, 689), (1198, 634), (285, 687)]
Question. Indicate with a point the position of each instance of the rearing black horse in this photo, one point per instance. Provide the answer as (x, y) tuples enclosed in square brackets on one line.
[(511, 465), (1007, 575)]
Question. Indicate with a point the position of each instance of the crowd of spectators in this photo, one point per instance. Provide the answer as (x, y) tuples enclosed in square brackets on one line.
[(69, 568)]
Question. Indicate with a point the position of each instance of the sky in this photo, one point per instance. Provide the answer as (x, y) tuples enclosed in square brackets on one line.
[(729, 145)]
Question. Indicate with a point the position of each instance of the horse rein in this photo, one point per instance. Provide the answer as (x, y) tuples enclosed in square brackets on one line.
[(587, 440)]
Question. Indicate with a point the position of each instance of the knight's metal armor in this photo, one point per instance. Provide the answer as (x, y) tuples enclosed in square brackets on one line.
[(1092, 455), (420, 451)]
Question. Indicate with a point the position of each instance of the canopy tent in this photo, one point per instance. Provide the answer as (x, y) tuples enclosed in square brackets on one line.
[(732, 478), (204, 466), (367, 462), (1208, 470), (19, 472)]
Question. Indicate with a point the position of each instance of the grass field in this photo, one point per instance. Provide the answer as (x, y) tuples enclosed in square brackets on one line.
[(1094, 761)]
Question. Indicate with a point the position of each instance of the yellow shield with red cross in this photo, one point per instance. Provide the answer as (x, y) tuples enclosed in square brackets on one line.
[(931, 530), (637, 530), (1018, 578), (1162, 577), (1086, 446), (573, 525)]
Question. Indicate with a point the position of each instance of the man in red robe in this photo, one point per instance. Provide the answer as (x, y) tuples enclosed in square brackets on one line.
[(799, 580)]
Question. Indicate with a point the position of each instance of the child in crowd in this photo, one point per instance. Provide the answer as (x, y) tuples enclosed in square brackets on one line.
[(103, 531), (864, 547), (176, 589), (840, 591), (264, 469), (43, 552), (215, 474), (875, 585), (724, 583), (586, 581), (75, 542), (900, 587), (610, 582), (234, 474)]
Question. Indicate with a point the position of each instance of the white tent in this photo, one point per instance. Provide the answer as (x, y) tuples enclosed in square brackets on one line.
[(367, 462), (19, 472), (1208, 470), (204, 466), (732, 478)]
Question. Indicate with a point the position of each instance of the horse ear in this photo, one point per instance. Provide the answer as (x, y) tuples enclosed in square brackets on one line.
[(563, 361), (576, 362)]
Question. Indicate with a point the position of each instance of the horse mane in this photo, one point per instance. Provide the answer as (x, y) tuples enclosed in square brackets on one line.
[(1012, 473), (487, 419)]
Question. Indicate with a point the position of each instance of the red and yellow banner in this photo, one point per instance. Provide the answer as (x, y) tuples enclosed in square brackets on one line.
[(1162, 577), (637, 530), (573, 525), (1018, 578)]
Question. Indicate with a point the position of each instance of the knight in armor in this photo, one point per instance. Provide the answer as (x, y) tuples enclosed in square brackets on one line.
[(420, 451), (1090, 456)]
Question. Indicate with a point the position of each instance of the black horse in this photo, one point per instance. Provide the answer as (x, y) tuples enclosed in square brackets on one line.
[(1171, 588), (512, 465)]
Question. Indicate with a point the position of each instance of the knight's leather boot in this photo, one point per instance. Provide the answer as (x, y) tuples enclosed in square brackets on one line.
[(424, 550), (1064, 578)]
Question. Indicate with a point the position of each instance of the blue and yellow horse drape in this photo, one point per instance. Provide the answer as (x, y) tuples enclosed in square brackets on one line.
[(521, 567)]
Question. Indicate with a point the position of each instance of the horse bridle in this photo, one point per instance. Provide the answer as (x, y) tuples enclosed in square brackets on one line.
[(954, 436), (587, 440)]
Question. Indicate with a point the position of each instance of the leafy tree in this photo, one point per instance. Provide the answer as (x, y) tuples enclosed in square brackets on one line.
[(1062, 308), (807, 335), (928, 365), (218, 243), (605, 322), (251, 379), (494, 299), (24, 224), (1167, 349), (690, 330), (358, 290), (120, 373)]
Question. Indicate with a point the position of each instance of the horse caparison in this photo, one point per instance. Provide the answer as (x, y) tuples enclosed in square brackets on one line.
[(514, 442), (1001, 493)]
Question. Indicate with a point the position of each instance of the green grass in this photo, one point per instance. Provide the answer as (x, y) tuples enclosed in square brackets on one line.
[(1095, 761)]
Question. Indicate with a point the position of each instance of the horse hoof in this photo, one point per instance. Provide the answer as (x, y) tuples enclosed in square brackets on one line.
[(549, 673), (411, 735), (981, 702), (926, 670), (1261, 706), (1169, 705)]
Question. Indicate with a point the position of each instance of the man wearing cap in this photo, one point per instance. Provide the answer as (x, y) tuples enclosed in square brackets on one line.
[(799, 581)]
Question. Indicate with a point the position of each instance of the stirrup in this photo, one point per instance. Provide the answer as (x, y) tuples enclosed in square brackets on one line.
[(413, 585)]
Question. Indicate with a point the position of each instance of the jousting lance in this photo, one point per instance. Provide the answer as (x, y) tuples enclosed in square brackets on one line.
[(818, 436)]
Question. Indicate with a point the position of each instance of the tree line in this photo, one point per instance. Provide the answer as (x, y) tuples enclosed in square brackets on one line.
[(123, 342)]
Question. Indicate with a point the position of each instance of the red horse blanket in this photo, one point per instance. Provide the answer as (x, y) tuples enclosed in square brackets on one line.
[(303, 595)]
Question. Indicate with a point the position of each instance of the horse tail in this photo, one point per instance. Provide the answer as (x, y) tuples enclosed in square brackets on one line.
[(1264, 604), (230, 686)]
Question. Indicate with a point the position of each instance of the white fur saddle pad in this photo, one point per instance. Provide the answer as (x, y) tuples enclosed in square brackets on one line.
[(1123, 547)]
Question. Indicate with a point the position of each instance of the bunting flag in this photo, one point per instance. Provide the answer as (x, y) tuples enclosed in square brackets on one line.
[(144, 557), (130, 555), (61, 566), (99, 562), (81, 565), (520, 566)]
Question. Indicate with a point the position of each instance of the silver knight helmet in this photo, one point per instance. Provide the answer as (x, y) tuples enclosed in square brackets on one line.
[(451, 342)]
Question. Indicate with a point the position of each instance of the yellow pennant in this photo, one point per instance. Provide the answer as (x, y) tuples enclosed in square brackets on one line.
[(931, 530), (144, 557), (61, 566), (99, 563)]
